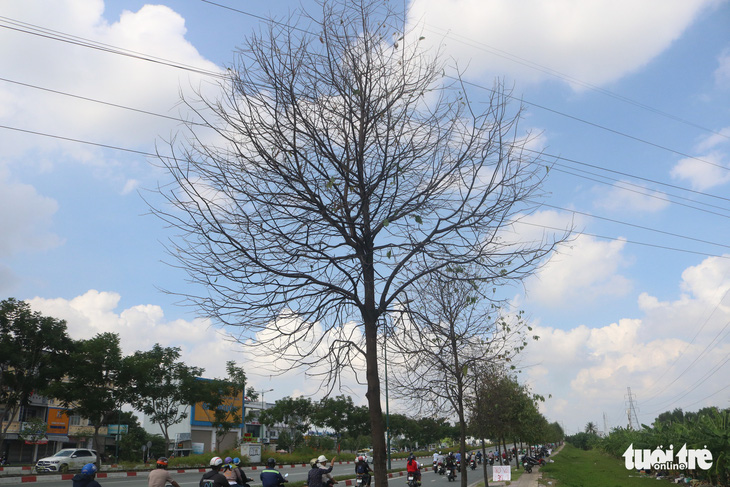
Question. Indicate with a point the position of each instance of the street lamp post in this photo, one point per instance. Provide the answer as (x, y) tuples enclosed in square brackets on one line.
[(263, 406), (387, 409)]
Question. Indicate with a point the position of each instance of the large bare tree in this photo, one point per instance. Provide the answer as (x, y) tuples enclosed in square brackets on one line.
[(344, 167)]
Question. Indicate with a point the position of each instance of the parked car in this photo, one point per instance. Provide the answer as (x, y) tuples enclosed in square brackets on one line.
[(67, 459)]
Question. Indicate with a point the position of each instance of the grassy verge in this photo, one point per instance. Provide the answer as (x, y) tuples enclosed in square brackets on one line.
[(574, 467)]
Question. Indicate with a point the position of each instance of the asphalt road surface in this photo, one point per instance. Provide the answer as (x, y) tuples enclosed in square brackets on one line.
[(428, 478)]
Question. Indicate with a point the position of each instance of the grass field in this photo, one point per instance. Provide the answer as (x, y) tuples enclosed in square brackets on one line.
[(574, 467)]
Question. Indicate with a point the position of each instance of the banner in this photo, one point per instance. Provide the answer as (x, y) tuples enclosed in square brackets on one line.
[(501, 472)]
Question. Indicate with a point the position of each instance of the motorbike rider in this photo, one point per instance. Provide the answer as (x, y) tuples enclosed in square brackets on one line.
[(316, 474), (214, 477), (161, 477), (87, 477), (413, 468), (362, 468), (241, 478), (270, 476), (451, 463), (440, 460)]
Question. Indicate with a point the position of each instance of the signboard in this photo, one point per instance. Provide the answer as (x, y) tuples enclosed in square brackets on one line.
[(57, 421), (202, 415), (252, 451), (116, 429), (501, 472), (197, 448)]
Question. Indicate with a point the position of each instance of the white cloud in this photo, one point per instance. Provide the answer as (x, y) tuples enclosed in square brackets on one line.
[(621, 197), (664, 354), (722, 137), (202, 345), (581, 270), (25, 218), (710, 168), (595, 42), (130, 185), (700, 174), (154, 30), (722, 73)]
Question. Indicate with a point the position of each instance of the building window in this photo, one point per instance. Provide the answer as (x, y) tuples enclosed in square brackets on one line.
[(74, 420)]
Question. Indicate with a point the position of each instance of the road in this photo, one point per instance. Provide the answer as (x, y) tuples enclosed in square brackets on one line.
[(428, 478)]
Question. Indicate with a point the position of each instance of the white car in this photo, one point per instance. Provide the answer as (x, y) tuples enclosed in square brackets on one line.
[(67, 459)]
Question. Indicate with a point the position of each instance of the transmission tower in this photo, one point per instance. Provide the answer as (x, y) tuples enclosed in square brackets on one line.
[(605, 425), (631, 411)]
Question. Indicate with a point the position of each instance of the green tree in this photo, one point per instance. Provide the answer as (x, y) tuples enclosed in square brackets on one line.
[(220, 397), (591, 428), (349, 169), (164, 386), (295, 413), (33, 354), (98, 384)]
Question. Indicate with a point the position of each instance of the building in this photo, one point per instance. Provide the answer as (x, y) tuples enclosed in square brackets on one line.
[(196, 433), (62, 430)]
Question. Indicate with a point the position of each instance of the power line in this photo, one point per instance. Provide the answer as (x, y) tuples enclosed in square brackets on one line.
[(50, 34), (60, 36), (641, 191), (154, 155), (557, 74)]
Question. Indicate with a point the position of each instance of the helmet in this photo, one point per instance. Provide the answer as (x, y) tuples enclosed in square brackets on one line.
[(162, 462), (322, 459), (361, 458), (271, 462), (411, 457), (313, 462), (236, 461), (216, 462), (228, 460), (89, 469)]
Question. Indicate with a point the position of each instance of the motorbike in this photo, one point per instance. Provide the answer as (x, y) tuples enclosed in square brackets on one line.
[(412, 482), (452, 474), (441, 469), (473, 464), (529, 462)]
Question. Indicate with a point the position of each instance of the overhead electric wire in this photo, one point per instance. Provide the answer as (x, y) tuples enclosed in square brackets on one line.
[(649, 195), (60, 36), (641, 227), (573, 161), (43, 32), (102, 102), (557, 74), (522, 61), (709, 346), (114, 50), (697, 333), (620, 173), (155, 155)]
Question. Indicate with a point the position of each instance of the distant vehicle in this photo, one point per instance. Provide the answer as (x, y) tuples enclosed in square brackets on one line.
[(67, 459)]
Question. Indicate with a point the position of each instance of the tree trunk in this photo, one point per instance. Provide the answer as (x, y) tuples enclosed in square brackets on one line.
[(462, 446), (485, 468), (377, 432)]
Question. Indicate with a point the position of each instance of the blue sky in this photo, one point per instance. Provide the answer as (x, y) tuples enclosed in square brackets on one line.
[(636, 92)]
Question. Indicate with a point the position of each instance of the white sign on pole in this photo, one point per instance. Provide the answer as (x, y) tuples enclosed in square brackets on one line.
[(501, 472)]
